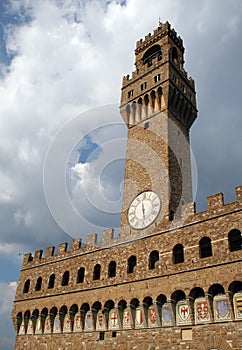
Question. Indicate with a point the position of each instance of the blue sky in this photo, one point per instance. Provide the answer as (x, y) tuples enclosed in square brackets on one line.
[(60, 59)]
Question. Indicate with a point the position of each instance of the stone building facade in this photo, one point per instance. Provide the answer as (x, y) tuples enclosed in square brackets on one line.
[(172, 279)]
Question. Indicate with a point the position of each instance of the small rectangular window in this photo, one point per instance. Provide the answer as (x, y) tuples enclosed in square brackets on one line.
[(143, 86), (130, 93), (101, 336), (149, 64), (182, 87), (157, 78), (114, 334)]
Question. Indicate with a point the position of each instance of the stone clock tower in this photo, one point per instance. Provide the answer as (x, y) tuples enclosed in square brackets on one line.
[(158, 105)]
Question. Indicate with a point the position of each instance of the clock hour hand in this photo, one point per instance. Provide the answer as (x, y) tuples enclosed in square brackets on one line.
[(143, 210)]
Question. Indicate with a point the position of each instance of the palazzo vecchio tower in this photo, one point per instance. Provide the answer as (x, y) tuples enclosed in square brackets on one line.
[(172, 280)]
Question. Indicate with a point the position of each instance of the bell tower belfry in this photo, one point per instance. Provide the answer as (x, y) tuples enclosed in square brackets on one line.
[(158, 105)]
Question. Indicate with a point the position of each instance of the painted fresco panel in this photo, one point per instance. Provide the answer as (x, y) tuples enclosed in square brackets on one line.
[(140, 317), (153, 316), (183, 313), (22, 329), (167, 315), (202, 311), (57, 325), (128, 318), (238, 306), (89, 322), (30, 329), (67, 324), (114, 319), (47, 329), (221, 309), (38, 327), (101, 324), (77, 326)]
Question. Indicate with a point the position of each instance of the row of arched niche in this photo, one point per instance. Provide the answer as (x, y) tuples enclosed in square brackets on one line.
[(196, 308), (145, 107)]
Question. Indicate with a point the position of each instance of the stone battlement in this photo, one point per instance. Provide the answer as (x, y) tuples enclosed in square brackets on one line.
[(188, 215), (163, 29)]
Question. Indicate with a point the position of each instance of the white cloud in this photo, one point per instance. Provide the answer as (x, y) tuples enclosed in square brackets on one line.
[(7, 293), (27, 153)]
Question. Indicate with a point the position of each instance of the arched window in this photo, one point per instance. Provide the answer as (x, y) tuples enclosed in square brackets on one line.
[(65, 278), (122, 304), (38, 284), (35, 315), (196, 293), (19, 321), (53, 313), (134, 303), (153, 96), (205, 247), (109, 305), (235, 287), (140, 107), (131, 264), (26, 317), (153, 258), (97, 272), (26, 286), (112, 269), (128, 113), (216, 289), (178, 254), (51, 281), (151, 53), (174, 54), (235, 240), (96, 306), (178, 295), (159, 95), (73, 311), (80, 275)]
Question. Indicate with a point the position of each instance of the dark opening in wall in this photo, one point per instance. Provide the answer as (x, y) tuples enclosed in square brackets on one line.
[(178, 254), (51, 281), (101, 335), (26, 286), (97, 272), (38, 284), (112, 269), (205, 247), (235, 240), (65, 278), (131, 264), (153, 258), (81, 275)]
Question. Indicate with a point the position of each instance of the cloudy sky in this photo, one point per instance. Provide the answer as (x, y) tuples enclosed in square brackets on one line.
[(61, 65)]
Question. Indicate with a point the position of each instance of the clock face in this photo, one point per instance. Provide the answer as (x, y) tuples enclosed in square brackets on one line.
[(144, 210)]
